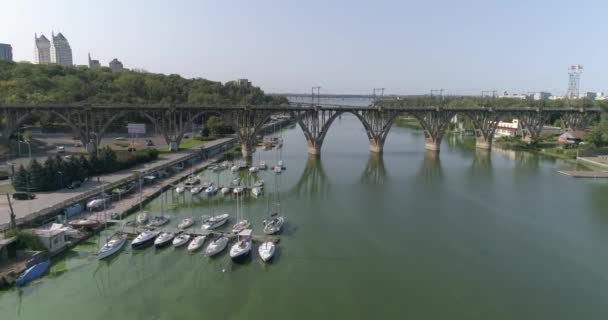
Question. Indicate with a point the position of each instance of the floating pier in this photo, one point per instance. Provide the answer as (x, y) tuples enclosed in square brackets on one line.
[(585, 174)]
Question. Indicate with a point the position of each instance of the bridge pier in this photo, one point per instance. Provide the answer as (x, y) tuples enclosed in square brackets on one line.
[(377, 123), (247, 122), (434, 122), (532, 124), (315, 124)]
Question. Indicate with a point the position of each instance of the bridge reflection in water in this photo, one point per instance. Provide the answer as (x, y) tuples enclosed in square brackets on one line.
[(313, 180), (431, 167), (375, 170)]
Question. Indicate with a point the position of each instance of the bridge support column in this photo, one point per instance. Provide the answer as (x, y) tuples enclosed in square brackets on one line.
[(377, 123), (434, 123), (532, 124), (485, 122), (247, 122), (315, 124)]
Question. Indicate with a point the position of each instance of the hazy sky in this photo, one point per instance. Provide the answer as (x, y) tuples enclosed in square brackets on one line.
[(349, 46)]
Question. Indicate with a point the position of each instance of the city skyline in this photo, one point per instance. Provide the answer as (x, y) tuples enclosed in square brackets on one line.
[(407, 48)]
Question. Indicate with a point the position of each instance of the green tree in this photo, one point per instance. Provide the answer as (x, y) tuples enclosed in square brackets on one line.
[(51, 179), (20, 179), (598, 136), (86, 169), (216, 125), (36, 176)]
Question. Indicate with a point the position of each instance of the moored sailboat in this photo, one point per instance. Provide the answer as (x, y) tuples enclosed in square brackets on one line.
[(266, 251), (114, 244)]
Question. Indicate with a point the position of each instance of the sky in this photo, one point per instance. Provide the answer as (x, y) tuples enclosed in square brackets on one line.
[(351, 46)]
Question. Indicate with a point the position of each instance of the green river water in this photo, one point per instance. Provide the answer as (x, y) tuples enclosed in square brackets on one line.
[(406, 236)]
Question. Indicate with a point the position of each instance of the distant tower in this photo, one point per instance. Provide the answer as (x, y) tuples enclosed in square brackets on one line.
[(42, 50), (6, 52), (574, 79), (116, 65), (61, 52), (93, 63)]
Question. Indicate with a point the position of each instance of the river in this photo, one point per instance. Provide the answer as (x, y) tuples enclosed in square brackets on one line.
[(405, 236)]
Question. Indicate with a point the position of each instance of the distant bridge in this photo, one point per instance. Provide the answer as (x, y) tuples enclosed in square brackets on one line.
[(90, 123)]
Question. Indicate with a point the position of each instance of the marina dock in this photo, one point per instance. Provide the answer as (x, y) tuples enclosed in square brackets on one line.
[(585, 174)]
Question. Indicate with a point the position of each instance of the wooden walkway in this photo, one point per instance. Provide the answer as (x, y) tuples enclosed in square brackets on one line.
[(585, 174)]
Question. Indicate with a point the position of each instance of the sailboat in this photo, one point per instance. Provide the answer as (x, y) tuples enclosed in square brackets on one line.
[(266, 251), (180, 189), (143, 239), (164, 239), (114, 244), (241, 249), (214, 221), (241, 224), (186, 223), (181, 240), (196, 243), (216, 246)]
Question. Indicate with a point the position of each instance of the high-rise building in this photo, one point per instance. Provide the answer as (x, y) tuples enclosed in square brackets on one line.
[(93, 63), (61, 52), (6, 52), (243, 83), (116, 65), (42, 50)]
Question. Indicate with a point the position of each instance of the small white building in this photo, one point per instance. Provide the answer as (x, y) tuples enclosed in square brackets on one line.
[(53, 239), (507, 129)]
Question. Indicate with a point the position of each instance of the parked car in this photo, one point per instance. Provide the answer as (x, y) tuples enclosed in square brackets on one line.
[(120, 138), (149, 142), (60, 149), (74, 185), (23, 196)]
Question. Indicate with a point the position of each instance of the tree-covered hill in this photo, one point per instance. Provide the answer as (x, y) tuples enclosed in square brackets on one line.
[(40, 84)]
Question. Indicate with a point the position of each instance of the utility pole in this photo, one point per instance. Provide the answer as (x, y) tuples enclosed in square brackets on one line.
[(381, 90), (13, 217), (318, 92), (437, 90)]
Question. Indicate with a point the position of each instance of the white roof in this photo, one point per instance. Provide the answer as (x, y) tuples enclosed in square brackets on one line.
[(246, 233)]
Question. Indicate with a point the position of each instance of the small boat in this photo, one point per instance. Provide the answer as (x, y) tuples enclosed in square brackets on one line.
[(225, 165), (116, 242), (266, 251), (280, 164), (158, 221), (211, 190), (253, 169), (216, 246), (277, 169), (241, 249), (225, 190), (238, 190), (196, 243), (235, 182), (256, 191), (192, 180), (186, 223), (234, 169), (180, 189), (83, 223), (32, 273), (164, 239), (206, 184), (144, 238), (259, 183), (273, 225), (196, 189), (142, 217), (181, 240), (240, 226), (262, 165), (214, 221)]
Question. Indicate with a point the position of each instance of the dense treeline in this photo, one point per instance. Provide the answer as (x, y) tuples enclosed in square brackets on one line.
[(31, 83), (458, 102), (56, 172)]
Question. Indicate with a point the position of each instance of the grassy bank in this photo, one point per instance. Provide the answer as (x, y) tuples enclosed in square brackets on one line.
[(408, 122), (547, 147)]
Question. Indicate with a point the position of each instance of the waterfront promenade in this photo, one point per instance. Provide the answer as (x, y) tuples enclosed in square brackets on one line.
[(47, 202)]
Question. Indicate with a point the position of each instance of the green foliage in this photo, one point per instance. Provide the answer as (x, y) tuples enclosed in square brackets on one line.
[(598, 136), (20, 179), (25, 240), (216, 126), (31, 83)]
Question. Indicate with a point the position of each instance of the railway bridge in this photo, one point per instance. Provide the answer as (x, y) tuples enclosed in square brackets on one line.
[(90, 122)]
